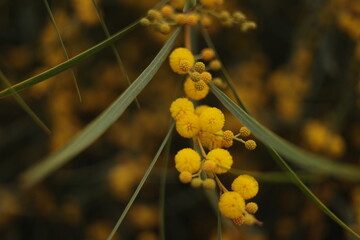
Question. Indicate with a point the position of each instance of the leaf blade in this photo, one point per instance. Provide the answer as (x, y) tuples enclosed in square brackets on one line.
[(99, 125), (68, 63), (290, 151), (297, 181), (137, 190)]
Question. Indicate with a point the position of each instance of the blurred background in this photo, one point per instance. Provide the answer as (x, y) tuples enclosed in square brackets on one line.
[(298, 73)]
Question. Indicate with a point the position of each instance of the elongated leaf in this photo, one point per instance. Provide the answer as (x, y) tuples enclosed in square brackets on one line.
[(162, 190), (292, 175), (24, 105), (137, 190), (276, 177), (67, 64), (98, 126), (113, 46), (62, 45), (228, 80), (293, 153)]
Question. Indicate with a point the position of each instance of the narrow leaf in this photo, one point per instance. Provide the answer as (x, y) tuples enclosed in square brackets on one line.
[(98, 126), (62, 45), (113, 47), (137, 190), (292, 175), (163, 190), (228, 80), (67, 64), (293, 153), (276, 177), (24, 105)]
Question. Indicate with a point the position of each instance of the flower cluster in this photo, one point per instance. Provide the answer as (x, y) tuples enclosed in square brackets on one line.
[(203, 13), (201, 165)]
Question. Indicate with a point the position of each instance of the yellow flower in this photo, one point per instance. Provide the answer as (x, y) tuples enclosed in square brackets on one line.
[(212, 120), (222, 158), (187, 160), (246, 186), (231, 205), (250, 145), (188, 125), (192, 92), (200, 109), (211, 141), (244, 132), (211, 3), (207, 54), (185, 177), (181, 106), (251, 207), (209, 184), (181, 60)]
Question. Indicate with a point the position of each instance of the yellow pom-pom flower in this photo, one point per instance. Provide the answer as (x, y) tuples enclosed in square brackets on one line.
[(207, 54), (187, 160), (222, 158), (209, 184), (250, 145), (185, 177), (192, 92), (211, 141), (200, 109), (246, 186), (211, 3), (181, 60), (251, 207), (244, 132), (231, 205), (212, 120), (181, 106), (188, 125)]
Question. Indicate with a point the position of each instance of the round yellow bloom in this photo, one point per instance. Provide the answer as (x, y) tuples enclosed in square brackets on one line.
[(181, 106), (188, 125), (209, 184), (207, 54), (192, 19), (251, 207), (231, 205), (246, 186), (196, 182), (250, 145), (179, 4), (212, 120), (249, 219), (244, 132), (200, 109), (180, 18), (191, 92), (211, 3), (209, 166), (211, 141), (188, 160), (180, 59), (185, 177), (215, 65), (222, 158), (199, 67), (167, 11), (206, 77)]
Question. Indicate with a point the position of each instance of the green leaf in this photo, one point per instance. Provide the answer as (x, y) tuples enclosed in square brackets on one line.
[(276, 177), (67, 64), (293, 153), (137, 190), (62, 45), (24, 105), (295, 179), (98, 126), (113, 46)]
